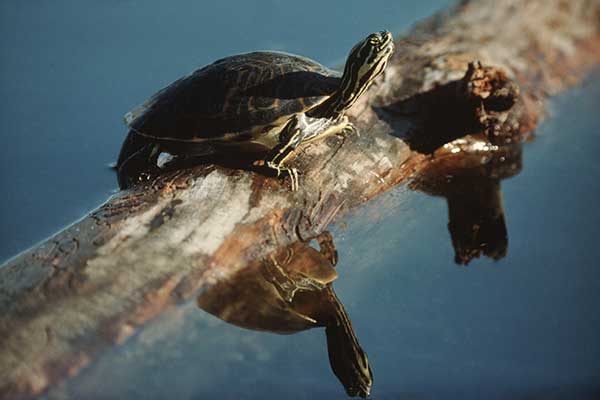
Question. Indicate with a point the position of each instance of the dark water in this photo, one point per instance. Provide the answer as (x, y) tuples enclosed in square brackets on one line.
[(71, 69), (525, 326)]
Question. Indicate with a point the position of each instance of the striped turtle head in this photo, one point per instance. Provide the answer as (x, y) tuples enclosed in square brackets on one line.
[(365, 62)]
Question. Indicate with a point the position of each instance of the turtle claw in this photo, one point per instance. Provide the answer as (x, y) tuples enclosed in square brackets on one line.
[(350, 129), (294, 178), (291, 172)]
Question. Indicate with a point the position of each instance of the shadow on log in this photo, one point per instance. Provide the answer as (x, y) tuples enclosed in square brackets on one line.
[(478, 102), (161, 243)]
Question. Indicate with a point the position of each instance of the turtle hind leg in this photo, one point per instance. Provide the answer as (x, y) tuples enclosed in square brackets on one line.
[(138, 159)]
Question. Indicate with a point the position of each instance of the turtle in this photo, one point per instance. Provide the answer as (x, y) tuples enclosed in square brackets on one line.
[(288, 291), (254, 107)]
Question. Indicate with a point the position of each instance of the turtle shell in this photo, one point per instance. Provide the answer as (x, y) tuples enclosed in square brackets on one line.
[(229, 99)]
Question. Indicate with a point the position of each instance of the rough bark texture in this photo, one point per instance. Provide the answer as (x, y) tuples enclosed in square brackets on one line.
[(93, 284)]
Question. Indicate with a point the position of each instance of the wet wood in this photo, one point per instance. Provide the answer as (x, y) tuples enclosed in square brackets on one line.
[(92, 285)]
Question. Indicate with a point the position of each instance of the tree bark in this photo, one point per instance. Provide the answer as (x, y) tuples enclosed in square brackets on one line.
[(158, 244)]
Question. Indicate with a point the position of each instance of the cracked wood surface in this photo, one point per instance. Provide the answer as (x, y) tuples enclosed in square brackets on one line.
[(93, 284)]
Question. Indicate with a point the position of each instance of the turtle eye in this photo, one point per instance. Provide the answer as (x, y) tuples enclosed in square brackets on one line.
[(374, 39)]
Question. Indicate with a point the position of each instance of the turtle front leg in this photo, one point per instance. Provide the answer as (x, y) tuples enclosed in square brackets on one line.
[(275, 159)]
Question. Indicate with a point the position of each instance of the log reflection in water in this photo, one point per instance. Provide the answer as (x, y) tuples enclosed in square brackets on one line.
[(470, 182), (290, 291)]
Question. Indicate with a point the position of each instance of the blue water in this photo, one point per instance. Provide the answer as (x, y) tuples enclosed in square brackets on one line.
[(524, 327)]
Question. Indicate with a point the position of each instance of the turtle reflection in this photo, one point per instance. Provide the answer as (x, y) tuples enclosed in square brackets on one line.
[(470, 182), (290, 291)]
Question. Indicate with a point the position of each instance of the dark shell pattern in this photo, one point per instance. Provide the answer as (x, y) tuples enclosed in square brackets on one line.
[(234, 95)]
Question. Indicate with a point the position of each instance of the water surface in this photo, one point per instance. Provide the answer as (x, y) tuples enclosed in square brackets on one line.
[(523, 326)]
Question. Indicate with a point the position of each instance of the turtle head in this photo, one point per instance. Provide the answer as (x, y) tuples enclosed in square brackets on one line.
[(365, 62), (375, 48)]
